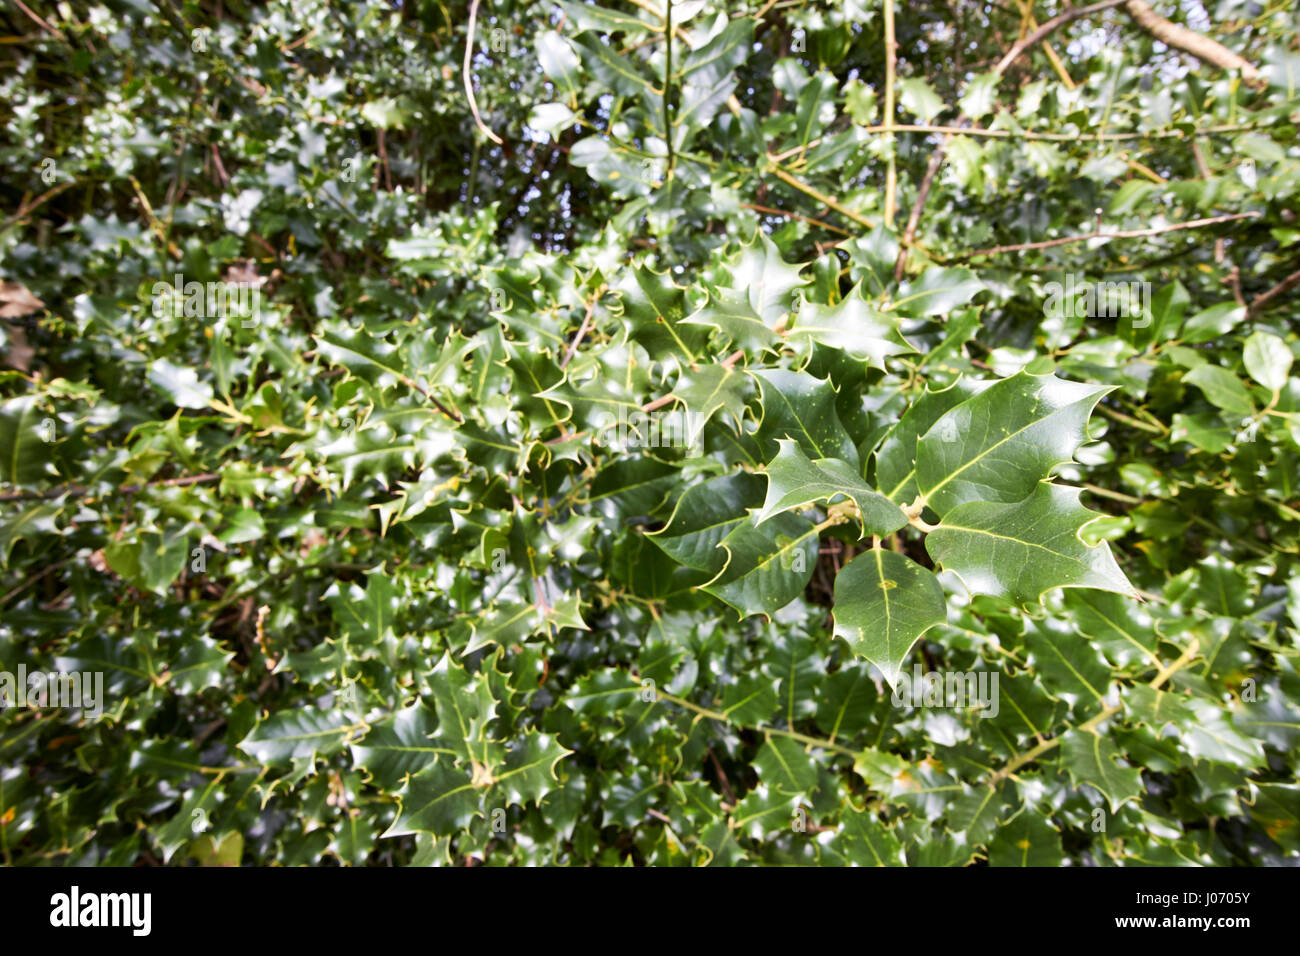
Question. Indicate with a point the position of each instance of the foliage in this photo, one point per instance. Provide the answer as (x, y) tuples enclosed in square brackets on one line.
[(594, 496)]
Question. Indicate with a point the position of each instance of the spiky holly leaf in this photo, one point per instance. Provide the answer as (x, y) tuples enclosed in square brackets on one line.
[(28, 523), (1029, 839), (853, 325), (1021, 551), (366, 616), (796, 405), (297, 734), (465, 707), (937, 291), (528, 773), (766, 567), (765, 278), (1000, 443), (793, 482), (732, 313), (440, 800), (884, 602), (750, 701), (785, 765), (896, 454), (706, 514), (705, 392), (400, 744), (1091, 759), (867, 841), (654, 310)]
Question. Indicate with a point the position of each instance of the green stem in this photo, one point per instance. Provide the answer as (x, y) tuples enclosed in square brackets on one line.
[(668, 88), (723, 718), (891, 171), (1019, 760)]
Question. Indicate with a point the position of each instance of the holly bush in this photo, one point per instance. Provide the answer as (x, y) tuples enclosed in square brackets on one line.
[(657, 433)]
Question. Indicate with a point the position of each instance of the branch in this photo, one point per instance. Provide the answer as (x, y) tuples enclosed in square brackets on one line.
[(1189, 41), (786, 214), (28, 207), (1046, 137), (936, 160), (1262, 301), (891, 64), (582, 329), (1060, 19), (40, 22), (76, 491), (469, 79), (1097, 234), (922, 194), (668, 80), (1091, 725), (825, 200)]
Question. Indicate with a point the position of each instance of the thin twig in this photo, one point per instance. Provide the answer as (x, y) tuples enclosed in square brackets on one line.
[(38, 20), (1048, 27), (1124, 234), (469, 79), (582, 330), (76, 491), (891, 66), (27, 208), (914, 218), (1260, 302)]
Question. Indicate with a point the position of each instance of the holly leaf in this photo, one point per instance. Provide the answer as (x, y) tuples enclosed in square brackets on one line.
[(296, 734), (1223, 389), (785, 765), (896, 453), (884, 602), (750, 700), (180, 384), (852, 325), (938, 291), (399, 745), (150, 561), (24, 456), (797, 405), (765, 278), (766, 568), (654, 310), (1000, 443), (528, 773), (794, 481), (465, 708), (705, 515), (1091, 759), (366, 616), (732, 313), (1027, 840), (866, 841), (705, 392), (31, 522), (441, 800), (1268, 360), (1021, 551)]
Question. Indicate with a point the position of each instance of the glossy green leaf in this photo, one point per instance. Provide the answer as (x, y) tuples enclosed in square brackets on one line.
[(884, 602), (1020, 551)]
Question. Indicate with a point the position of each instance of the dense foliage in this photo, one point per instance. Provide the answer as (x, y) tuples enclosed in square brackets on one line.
[(601, 460)]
